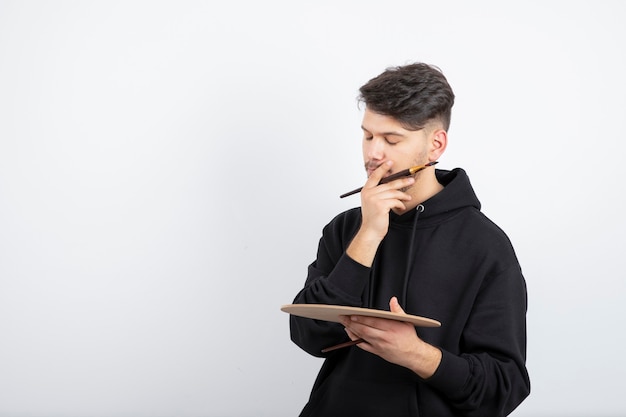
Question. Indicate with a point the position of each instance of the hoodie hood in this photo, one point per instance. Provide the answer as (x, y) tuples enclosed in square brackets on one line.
[(456, 195)]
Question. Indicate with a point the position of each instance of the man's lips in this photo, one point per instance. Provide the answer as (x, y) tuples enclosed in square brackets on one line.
[(372, 168)]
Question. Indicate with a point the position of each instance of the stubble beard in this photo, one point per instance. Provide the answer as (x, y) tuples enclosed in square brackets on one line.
[(409, 187), (370, 165), (416, 176)]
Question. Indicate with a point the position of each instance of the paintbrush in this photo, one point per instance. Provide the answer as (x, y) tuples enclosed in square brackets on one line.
[(405, 173), (343, 345)]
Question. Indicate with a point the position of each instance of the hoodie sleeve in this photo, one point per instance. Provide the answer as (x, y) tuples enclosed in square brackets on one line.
[(333, 278), (489, 376)]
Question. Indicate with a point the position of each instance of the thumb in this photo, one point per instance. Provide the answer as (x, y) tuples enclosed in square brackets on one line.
[(394, 306)]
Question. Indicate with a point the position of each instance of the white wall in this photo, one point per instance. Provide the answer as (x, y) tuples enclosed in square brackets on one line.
[(166, 168)]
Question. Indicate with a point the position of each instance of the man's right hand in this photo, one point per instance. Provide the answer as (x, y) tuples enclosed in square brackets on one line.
[(376, 202)]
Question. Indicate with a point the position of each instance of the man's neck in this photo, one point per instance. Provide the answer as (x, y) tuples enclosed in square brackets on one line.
[(424, 188)]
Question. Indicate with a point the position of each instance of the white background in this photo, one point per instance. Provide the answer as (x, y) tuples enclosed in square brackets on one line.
[(166, 168)]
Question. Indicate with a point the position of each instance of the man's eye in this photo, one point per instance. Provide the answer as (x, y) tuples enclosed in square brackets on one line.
[(391, 142), (368, 137)]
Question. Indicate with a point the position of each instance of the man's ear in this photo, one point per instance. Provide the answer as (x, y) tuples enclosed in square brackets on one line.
[(438, 143)]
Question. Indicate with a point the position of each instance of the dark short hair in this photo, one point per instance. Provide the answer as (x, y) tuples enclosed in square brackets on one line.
[(412, 94)]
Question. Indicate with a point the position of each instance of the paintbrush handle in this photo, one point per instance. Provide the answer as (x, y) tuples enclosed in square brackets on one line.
[(397, 175), (404, 173), (343, 345)]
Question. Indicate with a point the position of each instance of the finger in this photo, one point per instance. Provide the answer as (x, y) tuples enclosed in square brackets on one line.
[(401, 183), (378, 174), (394, 191), (362, 324), (394, 306), (351, 334)]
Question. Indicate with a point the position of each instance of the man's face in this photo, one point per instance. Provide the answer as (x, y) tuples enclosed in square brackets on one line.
[(385, 139)]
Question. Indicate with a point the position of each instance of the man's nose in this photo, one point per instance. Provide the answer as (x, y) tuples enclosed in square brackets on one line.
[(376, 149)]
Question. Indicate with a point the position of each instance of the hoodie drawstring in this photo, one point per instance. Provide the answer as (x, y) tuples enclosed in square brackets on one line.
[(419, 209), (410, 256)]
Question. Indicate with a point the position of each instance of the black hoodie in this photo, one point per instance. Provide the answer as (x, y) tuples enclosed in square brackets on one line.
[(463, 272)]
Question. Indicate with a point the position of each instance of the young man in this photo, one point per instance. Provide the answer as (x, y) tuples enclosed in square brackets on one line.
[(420, 245)]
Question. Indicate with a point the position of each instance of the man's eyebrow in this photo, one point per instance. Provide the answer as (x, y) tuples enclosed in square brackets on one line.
[(390, 133)]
